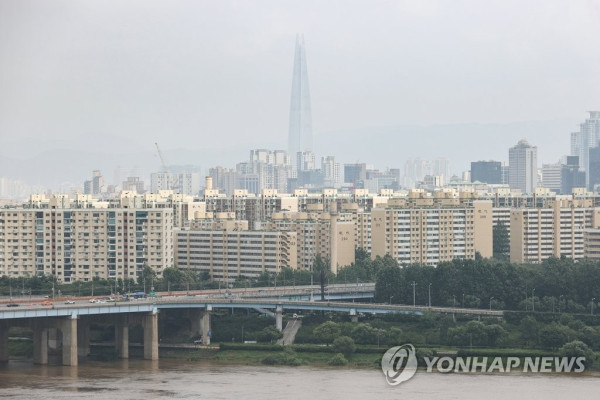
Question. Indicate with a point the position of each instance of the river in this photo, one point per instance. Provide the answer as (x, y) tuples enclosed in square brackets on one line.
[(140, 379)]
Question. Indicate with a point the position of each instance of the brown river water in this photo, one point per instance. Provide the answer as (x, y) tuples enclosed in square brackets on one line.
[(140, 379)]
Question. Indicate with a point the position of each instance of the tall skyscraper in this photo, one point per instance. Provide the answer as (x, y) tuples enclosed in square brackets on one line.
[(300, 134), (522, 162), (582, 141)]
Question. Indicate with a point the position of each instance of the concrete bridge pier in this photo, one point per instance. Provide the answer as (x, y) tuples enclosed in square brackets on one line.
[(279, 319), (353, 315), (83, 339), (68, 327), (3, 342), (206, 329), (195, 316), (150, 325), (40, 342), (122, 336)]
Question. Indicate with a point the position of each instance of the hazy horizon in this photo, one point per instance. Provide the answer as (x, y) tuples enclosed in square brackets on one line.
[(113, 78)]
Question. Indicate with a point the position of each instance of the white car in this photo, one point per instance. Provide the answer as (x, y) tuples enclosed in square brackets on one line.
[(70, 302), (92, 300)]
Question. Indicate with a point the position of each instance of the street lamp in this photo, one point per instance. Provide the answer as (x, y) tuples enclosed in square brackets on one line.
[(559, 301), (533, 300), (414, 284), (391, 297), (429, 294), (593, 305), (491, 302)]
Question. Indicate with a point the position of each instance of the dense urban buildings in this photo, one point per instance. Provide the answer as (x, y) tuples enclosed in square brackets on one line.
[(77, 238)]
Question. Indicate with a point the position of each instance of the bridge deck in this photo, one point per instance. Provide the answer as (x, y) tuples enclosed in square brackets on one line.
[(152, 305)]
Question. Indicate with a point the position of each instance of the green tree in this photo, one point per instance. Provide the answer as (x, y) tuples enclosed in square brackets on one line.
[(269, 334), (389, 284), (500, 241), (338, 360), (363, 334), (495, 334), (327, 332), (554, 336), (344, 345), (529, 328), (577, 348), (590, 336), (173, 276)]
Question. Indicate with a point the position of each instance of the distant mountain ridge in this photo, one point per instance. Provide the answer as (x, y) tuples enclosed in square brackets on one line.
[(53, 163)]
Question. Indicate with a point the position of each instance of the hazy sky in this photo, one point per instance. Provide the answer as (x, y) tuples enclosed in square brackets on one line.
[(187, 73)]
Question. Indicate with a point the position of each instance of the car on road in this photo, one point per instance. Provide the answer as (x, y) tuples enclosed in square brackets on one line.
[(46, 303), (12, 305), (70, 302), (92, 300)]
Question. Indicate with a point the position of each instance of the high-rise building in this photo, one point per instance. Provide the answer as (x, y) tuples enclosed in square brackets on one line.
[(415, 170), (225, 179), (331, 172), (582, 141), (593, 172), (522, 163), (95, 185), (134, 183), (441, 167), (182, 183), (489, 172), (571, 176), (305, 161), (355, 174), (551, 176), (300, 134)]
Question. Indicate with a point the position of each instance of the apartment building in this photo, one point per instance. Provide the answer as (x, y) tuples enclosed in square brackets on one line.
[(79, 244), (318, 233), (430, 235), (591, 244), (553, 231), (229, 254)]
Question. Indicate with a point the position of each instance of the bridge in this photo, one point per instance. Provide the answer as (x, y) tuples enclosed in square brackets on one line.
[(71, 322)]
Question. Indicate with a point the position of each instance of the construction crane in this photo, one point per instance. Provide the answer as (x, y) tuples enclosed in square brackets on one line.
[(175, 180)]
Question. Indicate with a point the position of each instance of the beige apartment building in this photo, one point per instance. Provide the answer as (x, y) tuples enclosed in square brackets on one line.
[(79, 244), (431, 234), (591, 244), (318, 233), (553, 231), (229, 254)]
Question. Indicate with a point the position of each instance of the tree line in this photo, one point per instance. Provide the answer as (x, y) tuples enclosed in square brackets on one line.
[(554, 285)]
